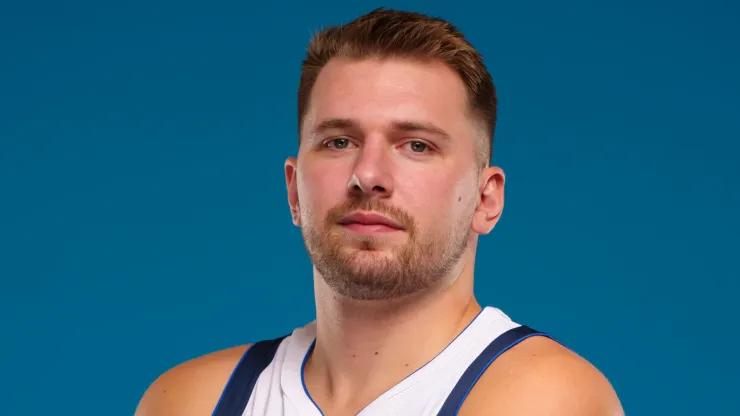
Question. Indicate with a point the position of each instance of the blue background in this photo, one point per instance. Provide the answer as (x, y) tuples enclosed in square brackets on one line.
[(143, 218)]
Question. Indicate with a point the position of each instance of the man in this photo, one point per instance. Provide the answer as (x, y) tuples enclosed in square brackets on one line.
[(391, 188)]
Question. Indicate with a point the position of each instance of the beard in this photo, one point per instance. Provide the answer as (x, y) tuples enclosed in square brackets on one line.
[(355, 268)]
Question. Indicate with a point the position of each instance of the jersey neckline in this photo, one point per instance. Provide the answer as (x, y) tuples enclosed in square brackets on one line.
[(302, 341)]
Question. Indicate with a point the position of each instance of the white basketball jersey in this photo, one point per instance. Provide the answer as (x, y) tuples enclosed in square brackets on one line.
[(280, 390)]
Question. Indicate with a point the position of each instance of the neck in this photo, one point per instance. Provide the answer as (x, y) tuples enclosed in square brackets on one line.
[(365, 347)]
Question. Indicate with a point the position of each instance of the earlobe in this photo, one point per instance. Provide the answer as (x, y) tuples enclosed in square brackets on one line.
[(291, 171), (491, 203)]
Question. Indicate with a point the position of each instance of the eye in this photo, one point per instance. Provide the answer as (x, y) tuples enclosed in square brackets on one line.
[(418, 146), (338, 143)]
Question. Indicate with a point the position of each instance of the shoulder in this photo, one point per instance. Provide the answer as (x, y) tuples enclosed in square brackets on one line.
[(541, 377), (192, 388)]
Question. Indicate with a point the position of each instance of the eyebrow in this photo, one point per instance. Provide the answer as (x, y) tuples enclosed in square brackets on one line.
[(334, 124), (398, 125)]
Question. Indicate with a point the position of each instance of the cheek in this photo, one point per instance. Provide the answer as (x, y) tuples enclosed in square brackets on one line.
[(319, 190), (466, 196), (454, 200), (435, 201)]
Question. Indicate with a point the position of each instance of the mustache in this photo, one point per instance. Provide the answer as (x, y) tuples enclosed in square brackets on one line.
[(371, 205)]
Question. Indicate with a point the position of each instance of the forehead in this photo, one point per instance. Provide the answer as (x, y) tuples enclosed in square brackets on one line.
[(372, 92)]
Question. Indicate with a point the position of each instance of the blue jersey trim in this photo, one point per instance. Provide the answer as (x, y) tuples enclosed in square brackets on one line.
[(473, 373), (305, 358), (231, 380), (303, 378), (238, 390)]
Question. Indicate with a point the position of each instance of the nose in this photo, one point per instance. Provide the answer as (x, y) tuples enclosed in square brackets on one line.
[(371, 175)]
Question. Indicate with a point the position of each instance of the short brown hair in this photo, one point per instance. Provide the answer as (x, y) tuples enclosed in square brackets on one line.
[(386, 33)]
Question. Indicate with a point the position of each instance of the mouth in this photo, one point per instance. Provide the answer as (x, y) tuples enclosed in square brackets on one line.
[(369, 223)]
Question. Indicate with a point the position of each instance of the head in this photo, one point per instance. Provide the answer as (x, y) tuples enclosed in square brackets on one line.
[(392, 184)]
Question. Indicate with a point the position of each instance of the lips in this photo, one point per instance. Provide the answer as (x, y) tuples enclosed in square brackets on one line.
[(369, 219)]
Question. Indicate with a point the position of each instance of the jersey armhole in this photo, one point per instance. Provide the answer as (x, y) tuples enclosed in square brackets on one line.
[(475, 370), (238, 389)]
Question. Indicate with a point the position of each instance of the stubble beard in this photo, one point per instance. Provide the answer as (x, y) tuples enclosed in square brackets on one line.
[(361, 270)]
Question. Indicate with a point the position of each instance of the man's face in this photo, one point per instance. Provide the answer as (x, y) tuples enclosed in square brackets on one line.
[(386, 184)]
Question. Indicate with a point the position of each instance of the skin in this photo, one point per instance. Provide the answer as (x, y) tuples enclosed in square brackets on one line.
[(371, 335)]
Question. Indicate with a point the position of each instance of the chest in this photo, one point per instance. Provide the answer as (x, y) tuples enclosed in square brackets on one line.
[(281, 392)]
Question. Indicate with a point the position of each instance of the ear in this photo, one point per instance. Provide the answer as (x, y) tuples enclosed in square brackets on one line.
[(491, 204), (291, 183)]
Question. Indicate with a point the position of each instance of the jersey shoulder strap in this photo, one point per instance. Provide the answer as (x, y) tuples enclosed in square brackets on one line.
[(475, 370), (239, 388)]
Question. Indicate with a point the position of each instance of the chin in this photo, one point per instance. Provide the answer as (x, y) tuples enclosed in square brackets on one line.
[(369, 259), (368, 251)]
